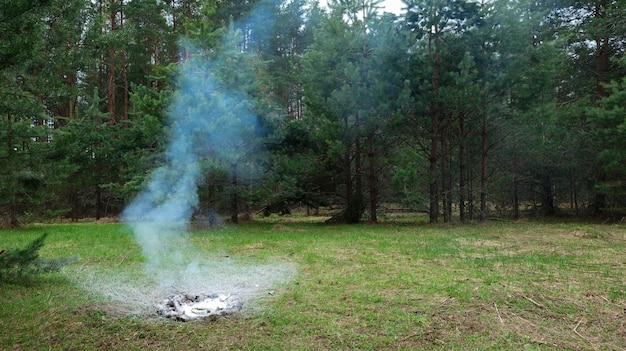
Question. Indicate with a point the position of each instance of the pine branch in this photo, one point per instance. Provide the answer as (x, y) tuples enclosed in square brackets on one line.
[(19, 264)]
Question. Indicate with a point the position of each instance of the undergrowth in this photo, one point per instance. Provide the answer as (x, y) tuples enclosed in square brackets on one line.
[(21, 265)]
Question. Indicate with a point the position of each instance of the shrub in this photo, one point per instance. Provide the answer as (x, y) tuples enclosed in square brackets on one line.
[(22, 264)]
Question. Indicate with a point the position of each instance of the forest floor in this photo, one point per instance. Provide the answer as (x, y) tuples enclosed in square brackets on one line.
[(402, 286)]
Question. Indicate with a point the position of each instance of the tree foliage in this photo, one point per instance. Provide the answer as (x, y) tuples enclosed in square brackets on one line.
[(22, 264), (463, 109)]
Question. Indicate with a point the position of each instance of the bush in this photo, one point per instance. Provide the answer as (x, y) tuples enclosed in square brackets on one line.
[(21, 264)]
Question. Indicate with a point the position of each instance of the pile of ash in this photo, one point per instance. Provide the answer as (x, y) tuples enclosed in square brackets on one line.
[(187, 307)]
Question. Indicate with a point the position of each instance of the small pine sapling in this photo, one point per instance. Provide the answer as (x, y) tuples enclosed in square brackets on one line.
[(19, 264)]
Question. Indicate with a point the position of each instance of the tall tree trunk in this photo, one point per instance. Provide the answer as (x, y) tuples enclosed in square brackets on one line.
[(13, 211), (234, 194), (449, 181), (212, 214), (70, 81), (126, 88), (446, 202), (435, 112), (98, 202), (211, 189), (347, 164), (75, 201), (483, 167), (67, 109), (357, 206), (372, 179), (462, 168), (111, 68), (602, 75), (516, 211), (548, 206), (347, 174), (573, 194), (471, 206), (433, 188), (13, 222), (484, 143), (124, 65), (111, 88), (602, 51)]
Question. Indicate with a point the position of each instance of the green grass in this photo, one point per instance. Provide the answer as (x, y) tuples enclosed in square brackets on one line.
[(495, 286)]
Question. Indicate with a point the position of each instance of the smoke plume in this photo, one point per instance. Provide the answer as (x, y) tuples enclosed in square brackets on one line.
[(210, 114)]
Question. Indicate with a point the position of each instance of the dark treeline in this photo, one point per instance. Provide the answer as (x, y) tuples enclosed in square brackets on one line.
[(461, 109)]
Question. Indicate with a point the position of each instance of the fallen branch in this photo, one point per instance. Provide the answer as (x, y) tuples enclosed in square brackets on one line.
[(125, 257), (445, 300), (498, 312), (581, 336), (605, 299), (576, 327), (576, 331), (411, 336), (533, 301), (525, 320)]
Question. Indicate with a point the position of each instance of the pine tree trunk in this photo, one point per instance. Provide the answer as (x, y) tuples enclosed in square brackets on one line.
[(70, 81), (549, 208), (357, 206), (111, 88), (435, 58), (516, 211), (485, 150), (124, 65), (462, 168), (211, 189), (471, 208), (372, 183), (602, 53), (126, 88), (602, 70), (234, 194), (434, 188), (111, 71), (443, 176), (98, 202), (483, 173), (13, 222), (347, 177)]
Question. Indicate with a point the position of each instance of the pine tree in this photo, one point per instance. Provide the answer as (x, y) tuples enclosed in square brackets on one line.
[(23, 264)]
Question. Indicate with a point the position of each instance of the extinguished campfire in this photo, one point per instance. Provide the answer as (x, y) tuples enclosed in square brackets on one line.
[(187, 307)]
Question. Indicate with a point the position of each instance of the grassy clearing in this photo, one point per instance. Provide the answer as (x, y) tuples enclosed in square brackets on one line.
[(496, 286)]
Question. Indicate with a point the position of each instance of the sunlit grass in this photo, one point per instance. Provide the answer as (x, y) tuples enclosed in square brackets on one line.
[(498, 286)]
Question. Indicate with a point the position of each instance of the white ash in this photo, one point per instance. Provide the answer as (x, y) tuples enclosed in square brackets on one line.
[(187, 307), (133, 292)]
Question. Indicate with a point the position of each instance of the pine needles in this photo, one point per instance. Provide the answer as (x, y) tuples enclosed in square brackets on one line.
[(22, 264)]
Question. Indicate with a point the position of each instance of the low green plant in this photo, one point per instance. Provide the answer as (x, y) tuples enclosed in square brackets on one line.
[(22, 264)]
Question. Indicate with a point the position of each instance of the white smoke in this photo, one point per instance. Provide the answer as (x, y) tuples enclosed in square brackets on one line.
[(210, 113)]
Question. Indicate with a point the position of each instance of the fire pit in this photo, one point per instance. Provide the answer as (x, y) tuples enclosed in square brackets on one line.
[(186, 307)]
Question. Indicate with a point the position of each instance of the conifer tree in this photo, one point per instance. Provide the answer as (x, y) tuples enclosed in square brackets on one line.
[(22, 264)]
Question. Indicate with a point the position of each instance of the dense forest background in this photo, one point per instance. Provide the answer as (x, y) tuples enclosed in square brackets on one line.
[(461, 109)]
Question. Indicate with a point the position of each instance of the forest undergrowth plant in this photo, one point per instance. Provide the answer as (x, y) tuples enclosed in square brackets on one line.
[(23, 264)]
